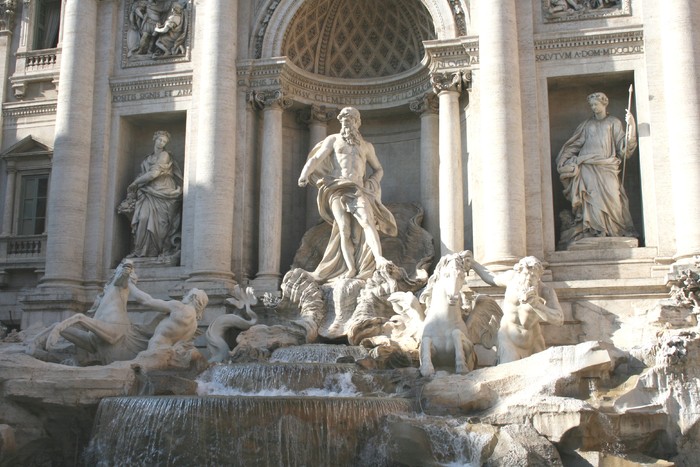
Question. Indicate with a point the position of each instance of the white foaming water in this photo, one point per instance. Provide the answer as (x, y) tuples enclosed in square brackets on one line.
[(336, 385)]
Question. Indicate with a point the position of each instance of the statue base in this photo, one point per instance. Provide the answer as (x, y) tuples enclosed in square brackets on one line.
[(603, 243)]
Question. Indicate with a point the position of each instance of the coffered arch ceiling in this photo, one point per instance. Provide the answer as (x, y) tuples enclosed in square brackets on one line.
[(354, 39)]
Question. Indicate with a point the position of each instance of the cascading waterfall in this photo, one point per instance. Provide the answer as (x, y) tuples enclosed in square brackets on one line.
[(319, 353), (249, 431), (270, 415)]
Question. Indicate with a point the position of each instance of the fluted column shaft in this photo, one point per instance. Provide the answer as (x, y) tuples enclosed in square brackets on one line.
[(682, 94), (67, 201), (216, 145), (502, 221), (428, 107), (448, 87), (271, 173)]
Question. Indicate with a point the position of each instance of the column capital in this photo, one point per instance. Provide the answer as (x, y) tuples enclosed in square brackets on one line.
[(428, 104), (317, 114), (454, 81), (272, 99)]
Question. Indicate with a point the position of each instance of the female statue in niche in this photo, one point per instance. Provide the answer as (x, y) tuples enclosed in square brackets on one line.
[(153, 203), (589, 168)]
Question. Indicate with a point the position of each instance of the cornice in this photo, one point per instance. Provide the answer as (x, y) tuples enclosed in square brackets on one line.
[(307, 88), (149, 88), (11, 110), (590, 45)]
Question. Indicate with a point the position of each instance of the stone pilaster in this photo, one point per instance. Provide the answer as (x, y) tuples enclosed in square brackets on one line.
[(67, 201), (682, 94), (273, 104), (216, 149), (448, 87), (428, 107), (317, 117), (502, 217), (8, 208)]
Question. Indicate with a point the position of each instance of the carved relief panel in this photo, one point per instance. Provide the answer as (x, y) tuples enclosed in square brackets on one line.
[(156, 31)]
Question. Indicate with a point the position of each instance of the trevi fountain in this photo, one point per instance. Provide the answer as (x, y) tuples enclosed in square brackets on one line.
[(349, 233)]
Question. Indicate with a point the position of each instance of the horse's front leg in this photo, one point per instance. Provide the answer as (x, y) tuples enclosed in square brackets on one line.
[(465, 358), (426, 360), (58, 329)]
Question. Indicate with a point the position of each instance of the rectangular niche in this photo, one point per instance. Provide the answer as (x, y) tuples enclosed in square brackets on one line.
[(135, 144), (568, 108)]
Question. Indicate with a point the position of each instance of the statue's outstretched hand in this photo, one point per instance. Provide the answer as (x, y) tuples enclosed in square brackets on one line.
[(303, 181)]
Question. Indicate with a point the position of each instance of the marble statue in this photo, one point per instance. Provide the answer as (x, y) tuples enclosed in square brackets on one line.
[(180, 325), (527, 302), (153, 203), (446, 339), (350, 200), (219, 349), (589, 168), (109, 333), (171, 34)]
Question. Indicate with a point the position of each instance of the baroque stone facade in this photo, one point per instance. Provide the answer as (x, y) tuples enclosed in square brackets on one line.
[(466, 103)]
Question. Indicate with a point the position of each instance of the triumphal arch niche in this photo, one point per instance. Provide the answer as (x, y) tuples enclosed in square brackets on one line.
[(401, 63)]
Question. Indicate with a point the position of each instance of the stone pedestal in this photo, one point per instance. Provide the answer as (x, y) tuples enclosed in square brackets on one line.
[(603, 243)]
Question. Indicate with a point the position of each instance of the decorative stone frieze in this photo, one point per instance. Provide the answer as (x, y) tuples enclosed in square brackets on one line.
[(429, 103), (151, 89), (260, 34), (14, 111), (593, 46), (453, 54), (572, 10), (307, 88), (459, 17)]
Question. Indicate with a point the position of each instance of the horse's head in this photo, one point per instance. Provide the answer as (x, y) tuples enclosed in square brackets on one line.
[(447, 279), (123, 273)]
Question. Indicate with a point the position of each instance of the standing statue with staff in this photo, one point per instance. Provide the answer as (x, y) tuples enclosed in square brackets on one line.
[(589, 168)]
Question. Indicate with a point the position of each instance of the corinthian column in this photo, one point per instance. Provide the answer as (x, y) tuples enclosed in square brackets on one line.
[(502, 218), (270, 237), (682, 93), (448, 87), (317, 118), (216, 148), (427, 108), (67, 200)]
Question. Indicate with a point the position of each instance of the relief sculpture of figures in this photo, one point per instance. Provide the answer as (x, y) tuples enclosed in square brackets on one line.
[(527, 302), (153, 203), (172, 33), (589, 168), (157, 28), (349, 200)]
